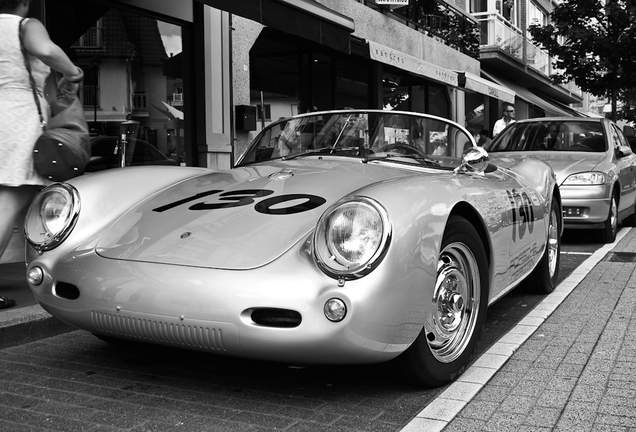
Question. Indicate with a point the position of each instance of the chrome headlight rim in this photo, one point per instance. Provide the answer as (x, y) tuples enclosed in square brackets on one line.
[(68, 224), (321, 249)]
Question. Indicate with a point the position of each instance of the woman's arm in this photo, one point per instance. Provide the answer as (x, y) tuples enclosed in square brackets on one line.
[(38, 43)]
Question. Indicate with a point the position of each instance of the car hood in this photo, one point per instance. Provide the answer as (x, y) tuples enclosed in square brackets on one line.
[(236, 219), (563, 164)]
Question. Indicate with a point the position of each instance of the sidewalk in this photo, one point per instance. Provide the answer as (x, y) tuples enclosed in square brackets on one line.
[(570, 365)]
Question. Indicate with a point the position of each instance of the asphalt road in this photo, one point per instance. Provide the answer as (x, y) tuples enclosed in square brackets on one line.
[(77, 382)]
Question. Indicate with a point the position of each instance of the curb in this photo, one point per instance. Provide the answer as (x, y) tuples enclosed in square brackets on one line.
[(28, 324)]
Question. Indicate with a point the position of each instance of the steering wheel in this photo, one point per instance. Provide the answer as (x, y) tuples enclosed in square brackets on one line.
[(404, 149)]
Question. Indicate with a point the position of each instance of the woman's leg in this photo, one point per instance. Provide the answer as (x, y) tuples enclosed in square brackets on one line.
[(13, 202)]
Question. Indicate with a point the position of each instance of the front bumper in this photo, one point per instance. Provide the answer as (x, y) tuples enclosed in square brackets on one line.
[(585, 207), (210, 310)]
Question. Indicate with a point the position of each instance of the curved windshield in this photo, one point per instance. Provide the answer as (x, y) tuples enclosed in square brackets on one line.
[(372, 135), (565, 136)]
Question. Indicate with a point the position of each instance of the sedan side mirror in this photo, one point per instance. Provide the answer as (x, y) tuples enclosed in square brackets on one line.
[(623, 151)]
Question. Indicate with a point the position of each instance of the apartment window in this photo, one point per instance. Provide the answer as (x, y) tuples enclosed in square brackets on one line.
[(536, 15)]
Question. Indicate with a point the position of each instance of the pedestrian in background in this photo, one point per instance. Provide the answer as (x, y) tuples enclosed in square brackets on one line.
[(19, 119), (508, 118), (483, 138)]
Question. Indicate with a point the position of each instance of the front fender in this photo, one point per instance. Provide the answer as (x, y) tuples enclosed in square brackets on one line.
[(106, 195)]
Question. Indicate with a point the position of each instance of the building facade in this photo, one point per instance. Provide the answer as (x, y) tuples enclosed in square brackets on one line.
[(200, 78)]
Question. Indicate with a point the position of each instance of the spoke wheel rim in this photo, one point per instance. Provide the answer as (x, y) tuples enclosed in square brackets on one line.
[(455, 306)]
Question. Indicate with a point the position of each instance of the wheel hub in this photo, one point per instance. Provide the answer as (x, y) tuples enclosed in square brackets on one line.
[(450, 303)]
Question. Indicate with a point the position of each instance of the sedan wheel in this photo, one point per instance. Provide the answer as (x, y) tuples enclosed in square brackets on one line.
[(608, 233), (543, 278), (457, 311)]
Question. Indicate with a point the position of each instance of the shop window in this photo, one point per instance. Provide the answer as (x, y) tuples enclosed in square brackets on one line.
[(274, 77), (438, 101), (132, 66), (395, 92), (352, 84)]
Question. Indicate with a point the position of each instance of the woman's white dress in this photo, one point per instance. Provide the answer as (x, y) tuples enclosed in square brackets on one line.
[(19, 120)]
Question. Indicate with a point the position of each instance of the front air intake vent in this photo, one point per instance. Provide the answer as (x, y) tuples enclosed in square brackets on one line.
[(66, 291), (272, 317), (159, 331)]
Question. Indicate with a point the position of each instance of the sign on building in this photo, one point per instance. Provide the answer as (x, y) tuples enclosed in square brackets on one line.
[(392, 2)]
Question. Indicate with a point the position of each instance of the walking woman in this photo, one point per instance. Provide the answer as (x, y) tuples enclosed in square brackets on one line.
[(19, 120)]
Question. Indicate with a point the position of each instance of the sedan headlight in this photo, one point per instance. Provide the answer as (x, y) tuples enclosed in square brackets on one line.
[(52, 216), (586, 178), (352, 237)]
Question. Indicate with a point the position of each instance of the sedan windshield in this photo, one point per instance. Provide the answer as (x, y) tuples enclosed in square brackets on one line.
[(564, 136), (371, 135)]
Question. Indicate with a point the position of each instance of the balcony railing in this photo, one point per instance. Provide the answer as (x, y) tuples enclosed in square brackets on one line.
[(537, 59), (91, 39), (497, 32), (440, 21)]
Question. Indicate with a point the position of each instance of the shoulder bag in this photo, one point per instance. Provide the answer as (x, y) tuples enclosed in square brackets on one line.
[(62, 151)]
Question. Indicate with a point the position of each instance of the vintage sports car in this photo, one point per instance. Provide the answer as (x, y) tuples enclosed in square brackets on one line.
[(338, 238), (594, 165)]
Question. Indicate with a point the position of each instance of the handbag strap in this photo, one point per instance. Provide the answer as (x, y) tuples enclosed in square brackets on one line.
[(27, 64)]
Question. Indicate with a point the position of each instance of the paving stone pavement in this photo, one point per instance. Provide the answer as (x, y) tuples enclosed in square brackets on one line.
[(577, 372)]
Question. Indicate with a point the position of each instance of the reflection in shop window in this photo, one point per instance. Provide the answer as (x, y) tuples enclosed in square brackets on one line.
[(132, 72)]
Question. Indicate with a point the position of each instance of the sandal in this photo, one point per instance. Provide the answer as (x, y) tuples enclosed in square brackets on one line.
[(6, 302)]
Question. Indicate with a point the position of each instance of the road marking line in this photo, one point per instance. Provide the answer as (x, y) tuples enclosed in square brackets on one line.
[(444, 408)]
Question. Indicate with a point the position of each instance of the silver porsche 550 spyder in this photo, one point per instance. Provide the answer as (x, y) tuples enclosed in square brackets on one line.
[(340, 237)]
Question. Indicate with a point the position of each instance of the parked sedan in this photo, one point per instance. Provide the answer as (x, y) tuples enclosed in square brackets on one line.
[(105, 154), (594, 165), (338, 238)]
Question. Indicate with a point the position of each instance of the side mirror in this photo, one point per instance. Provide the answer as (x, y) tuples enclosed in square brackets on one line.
[(474, 160), (623, 151)]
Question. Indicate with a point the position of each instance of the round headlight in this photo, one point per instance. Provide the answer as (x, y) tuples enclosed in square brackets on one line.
[(52, 216), (351, 236)]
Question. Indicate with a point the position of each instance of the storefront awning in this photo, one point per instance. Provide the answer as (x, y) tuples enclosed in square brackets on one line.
[(412, 64), (305, 18), (486, 87), (550, 108)]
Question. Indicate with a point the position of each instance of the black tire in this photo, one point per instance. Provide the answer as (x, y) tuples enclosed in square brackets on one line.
[(543, 279), (608, 232), (444, 348)]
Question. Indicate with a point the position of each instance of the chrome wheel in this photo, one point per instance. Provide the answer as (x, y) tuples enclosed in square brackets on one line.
[(553, 242), (451, 324)]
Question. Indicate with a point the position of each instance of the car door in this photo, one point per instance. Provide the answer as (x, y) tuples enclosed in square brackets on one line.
[(626, 168)]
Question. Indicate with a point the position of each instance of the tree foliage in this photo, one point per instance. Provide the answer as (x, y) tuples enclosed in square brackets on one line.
[(593, 43)]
